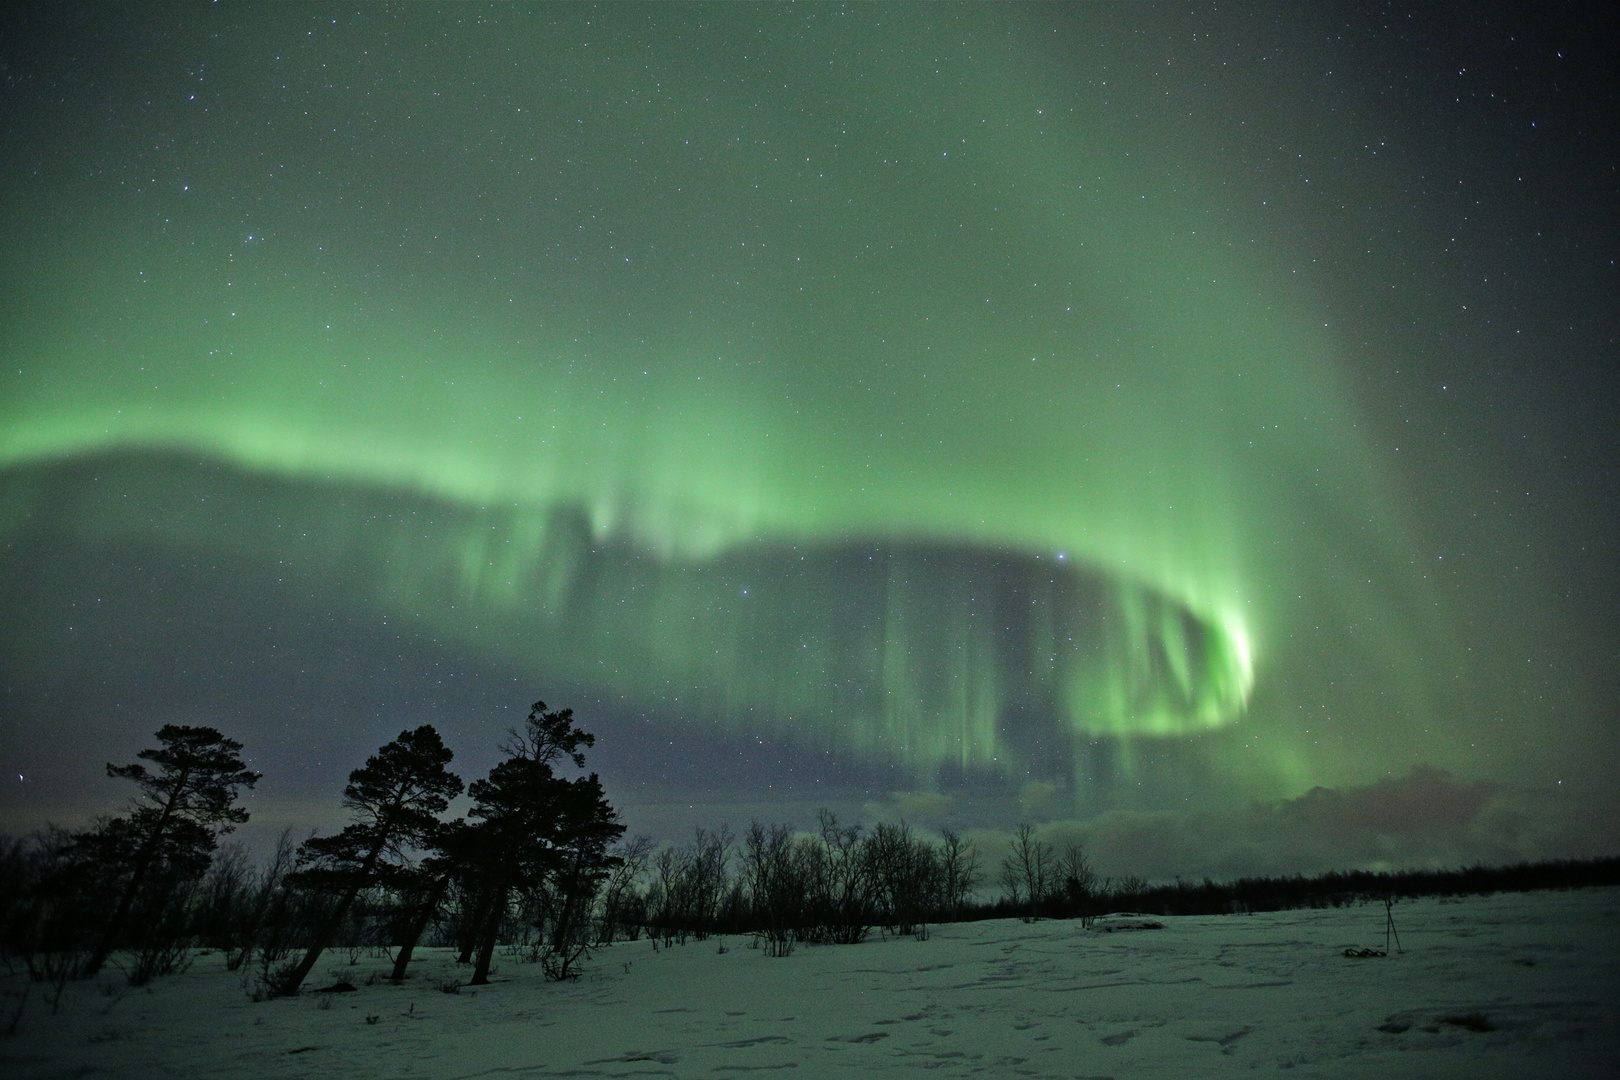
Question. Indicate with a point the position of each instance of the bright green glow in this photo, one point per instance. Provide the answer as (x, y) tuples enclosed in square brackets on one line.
[(1169, 675), (957, 312), (931, 655)]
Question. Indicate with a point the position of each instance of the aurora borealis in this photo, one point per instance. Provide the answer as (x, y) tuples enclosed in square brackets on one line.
[(1058, 410)]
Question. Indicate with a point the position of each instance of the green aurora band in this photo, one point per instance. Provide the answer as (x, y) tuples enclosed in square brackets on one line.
[(675, 320), (934, 656)]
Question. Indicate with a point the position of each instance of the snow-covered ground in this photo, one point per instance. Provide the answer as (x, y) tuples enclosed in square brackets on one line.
[(1202, 997)]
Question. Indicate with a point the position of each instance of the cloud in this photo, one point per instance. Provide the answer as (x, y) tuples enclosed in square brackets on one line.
[(919, 807), (1037, 797), (1426, 818), (1424, 802)]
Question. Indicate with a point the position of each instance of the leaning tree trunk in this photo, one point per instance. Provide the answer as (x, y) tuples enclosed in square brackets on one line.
[(288, 986), (491, 932), (418, 923), (137, 878), (574, 907), (471, 923)]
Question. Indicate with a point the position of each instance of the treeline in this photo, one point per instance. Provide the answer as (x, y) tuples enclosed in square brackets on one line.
[(539, 868), (1335, 889), (834, 885)]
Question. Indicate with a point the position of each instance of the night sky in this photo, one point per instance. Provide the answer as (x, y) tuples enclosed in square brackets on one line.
[(1191, 427)]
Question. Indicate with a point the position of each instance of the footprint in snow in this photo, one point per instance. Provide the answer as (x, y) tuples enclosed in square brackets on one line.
[(661, 1059), (1223, 1041), (761, 1041)]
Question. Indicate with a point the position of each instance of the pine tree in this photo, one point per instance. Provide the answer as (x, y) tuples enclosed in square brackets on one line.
[(586, 829), (396, 798), (534, 828), (511, 845), (186, 803)]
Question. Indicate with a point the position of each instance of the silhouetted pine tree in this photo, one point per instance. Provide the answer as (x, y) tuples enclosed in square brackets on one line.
[(512, 845), (396, 797), (586, 829), (187, 802), (533, 829)]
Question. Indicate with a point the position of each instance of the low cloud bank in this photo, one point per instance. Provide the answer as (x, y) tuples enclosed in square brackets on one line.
[(1427, 818)]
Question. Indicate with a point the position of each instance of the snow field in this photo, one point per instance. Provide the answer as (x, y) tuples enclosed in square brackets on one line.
[(1519, 985)]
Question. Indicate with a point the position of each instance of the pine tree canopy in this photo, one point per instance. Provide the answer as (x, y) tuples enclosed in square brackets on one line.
[(402, 788), (547, 736), (198, 774)]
